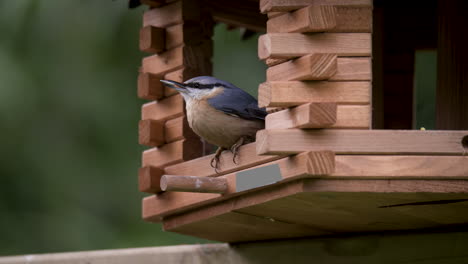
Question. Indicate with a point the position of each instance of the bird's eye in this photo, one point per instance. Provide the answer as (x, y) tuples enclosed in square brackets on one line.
[(196, 85)]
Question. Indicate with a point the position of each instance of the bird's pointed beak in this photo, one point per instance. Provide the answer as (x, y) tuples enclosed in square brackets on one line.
[(175, 85)]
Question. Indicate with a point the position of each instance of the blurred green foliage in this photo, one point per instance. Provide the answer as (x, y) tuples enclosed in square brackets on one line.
[(68, 124)]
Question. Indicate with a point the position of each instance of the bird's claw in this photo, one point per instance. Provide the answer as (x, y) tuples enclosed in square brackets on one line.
[(216, 160)]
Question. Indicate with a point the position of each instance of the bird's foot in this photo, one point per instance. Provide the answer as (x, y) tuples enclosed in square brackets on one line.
[(215, 160), (235, 149)]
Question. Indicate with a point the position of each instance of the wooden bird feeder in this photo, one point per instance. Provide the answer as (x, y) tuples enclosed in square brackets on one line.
[(338, 154)]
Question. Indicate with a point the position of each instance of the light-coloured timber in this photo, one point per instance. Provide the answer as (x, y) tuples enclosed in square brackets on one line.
[(247, 158), (341, 141), (290, 5), (149, 178), (177, 129), (149, 86), (287, 94), (195, 57), (307, 116), (165, 109), (311, 115), (303, 165), (273, 62), (194, 184), (172, 153), (353, 69), (319, 18), (288, 45), (151, 133), (309, 67), (152, 39), (172, 14), (313, 18)]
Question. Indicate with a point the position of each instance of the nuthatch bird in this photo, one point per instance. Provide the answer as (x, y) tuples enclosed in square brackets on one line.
[(220, 113)]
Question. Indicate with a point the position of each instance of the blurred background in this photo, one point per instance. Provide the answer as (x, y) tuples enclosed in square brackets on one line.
[(69, 115)]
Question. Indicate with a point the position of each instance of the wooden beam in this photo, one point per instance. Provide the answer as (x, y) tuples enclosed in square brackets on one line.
[(290, 5), (309, 67), (288, 45), (149, 178), (401, 142), (195, 57), (164, 109), (347, 116), (151, 133), (247, 158), (313, 18), (152, 39), (172, 153), (172, 14), (194, 184), (303, 165), (287, 94), (273, 62), (319, 18), (237, 13), (149, 86), (311, 115), (188, 33), (177, 129)]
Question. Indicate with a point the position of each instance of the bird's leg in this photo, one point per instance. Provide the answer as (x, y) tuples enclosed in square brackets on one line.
[(215, 159), (235, 148)]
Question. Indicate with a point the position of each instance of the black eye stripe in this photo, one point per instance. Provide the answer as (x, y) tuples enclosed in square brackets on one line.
[(203, 86)]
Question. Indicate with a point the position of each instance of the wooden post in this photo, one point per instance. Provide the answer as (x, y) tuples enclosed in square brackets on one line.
[(452, 67), (193, 184)]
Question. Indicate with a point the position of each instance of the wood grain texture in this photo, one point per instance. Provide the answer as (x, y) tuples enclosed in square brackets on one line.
[(174, 13), (177, 129), (195, 57), (152, 39), (313, 18), (319, 18), (149, 86), (290, 5), (149, 178), (341, 141), (201, 167), (287, 94), (347, 116), (353, 69), (309, 164), (151, 133), (288, 45), (194, 184), (172, 153), (311, 115), (309, 67), (164, 109)]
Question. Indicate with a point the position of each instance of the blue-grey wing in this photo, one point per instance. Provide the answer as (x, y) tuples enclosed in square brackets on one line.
[(237, 102)]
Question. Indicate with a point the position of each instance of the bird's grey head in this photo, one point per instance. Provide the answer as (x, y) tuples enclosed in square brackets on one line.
[(199, 88)]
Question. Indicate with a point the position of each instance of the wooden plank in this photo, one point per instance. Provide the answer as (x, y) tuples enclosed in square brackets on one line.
[(196, 57), (341, 141), (149, 86), (273, 62), (174, 13), (151, 132), (149, 178), (402, 167), (347, 116), (152, 39), (288, 45), (188, 33), (287, 94), (237, 13), (290, 5), (247, 158), (302, 165), (311, 115), (309, 67), (172, 153), (164, 109), (313, 18), (177, 129), (274, 14), (194, 184), (317, 18), (353, 69)]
